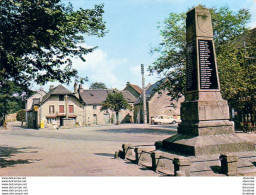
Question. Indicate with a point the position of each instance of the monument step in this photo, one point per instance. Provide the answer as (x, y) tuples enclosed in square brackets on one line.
[(146, 164), (247, 172), (166, 172)]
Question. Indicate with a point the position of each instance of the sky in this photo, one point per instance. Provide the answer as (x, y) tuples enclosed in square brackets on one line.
[(132, 32)]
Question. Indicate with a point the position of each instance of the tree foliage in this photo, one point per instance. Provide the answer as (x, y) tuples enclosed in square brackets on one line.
[(12, 99), (38, 39), (21, 116), (115, 102), (228, 26), (98, 85)]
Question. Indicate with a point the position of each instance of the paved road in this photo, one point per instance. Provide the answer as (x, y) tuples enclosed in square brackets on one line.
[(84, 151)]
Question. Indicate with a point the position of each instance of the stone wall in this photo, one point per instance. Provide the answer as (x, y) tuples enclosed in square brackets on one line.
[(94, 116)]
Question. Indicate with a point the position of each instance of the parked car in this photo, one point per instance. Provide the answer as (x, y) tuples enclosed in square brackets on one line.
[(164, 119)]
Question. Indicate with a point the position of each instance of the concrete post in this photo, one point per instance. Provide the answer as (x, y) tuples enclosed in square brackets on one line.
[(144, 95), (155, 155), (138, 152), (181, 167), (229, 164), (118, 154)]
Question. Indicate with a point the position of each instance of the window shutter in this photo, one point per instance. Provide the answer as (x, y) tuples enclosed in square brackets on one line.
[(61, 109), (71, 109)]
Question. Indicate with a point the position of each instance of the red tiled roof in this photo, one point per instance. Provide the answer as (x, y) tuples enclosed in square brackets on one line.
[(136, 88)]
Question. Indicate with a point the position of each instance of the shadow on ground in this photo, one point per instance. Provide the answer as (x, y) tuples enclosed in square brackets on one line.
[(104, 154), (142, 131), (7, 152)]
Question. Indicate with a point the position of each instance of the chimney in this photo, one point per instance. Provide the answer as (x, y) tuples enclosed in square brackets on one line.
[(51, 87), (80, 88), (75, 88), (127, 84)]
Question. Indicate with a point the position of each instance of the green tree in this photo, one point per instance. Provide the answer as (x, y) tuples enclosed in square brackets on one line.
[(38, 39), (237, 73), (227, 27), (115, 102), (21, 116), (98, 85), (12, 99)]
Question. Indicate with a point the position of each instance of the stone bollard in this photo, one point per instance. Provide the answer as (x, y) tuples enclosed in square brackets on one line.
[(229, 164), (155, 155), (181, 167), (116, 154), (126, 150)]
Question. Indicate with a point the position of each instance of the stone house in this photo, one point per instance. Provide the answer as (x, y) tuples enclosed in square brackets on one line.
[(93, 100), (158, 103), (32, 117), (135, 90), (82, 106), (51, 109)]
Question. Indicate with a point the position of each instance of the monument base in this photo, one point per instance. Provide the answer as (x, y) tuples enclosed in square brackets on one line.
[(205, 145)]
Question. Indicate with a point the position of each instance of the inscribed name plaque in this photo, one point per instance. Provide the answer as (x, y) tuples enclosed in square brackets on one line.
[(191, 70), (207, 67)]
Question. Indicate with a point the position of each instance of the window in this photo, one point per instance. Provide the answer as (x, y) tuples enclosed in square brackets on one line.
[(51, 109), (94, 107), (61, 108), (61, 98), (35, 101), (51, 120), (71, 109)]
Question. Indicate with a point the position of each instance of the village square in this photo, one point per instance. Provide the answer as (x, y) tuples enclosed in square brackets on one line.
[(196, 120)]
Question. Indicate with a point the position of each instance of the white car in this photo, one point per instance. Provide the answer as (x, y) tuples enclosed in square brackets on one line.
[(164, 119)]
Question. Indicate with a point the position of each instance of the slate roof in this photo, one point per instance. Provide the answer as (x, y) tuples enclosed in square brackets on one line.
[(153, 88), (97, 96), (59, 90), (91, 96), (128, 96)]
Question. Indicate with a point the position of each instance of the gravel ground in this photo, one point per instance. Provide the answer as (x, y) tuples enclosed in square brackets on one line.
[(83, 151)]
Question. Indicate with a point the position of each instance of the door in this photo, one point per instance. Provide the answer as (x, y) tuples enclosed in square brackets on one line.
[(106, 118), (61, 121), (95, 119)]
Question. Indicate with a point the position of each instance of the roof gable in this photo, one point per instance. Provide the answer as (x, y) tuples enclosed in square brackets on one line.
[(59, 90), (151, 90)]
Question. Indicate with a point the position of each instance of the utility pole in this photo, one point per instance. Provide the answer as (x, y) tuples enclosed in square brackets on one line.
[(144, 95)]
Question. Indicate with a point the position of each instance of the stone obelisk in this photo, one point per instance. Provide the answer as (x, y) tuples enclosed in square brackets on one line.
[(205, 128)]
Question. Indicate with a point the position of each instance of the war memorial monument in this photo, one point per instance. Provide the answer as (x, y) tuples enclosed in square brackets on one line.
[(206, 143)]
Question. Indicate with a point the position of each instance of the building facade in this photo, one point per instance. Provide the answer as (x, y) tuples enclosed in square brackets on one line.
[(93, 100), (82, 106), (158, 103)]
